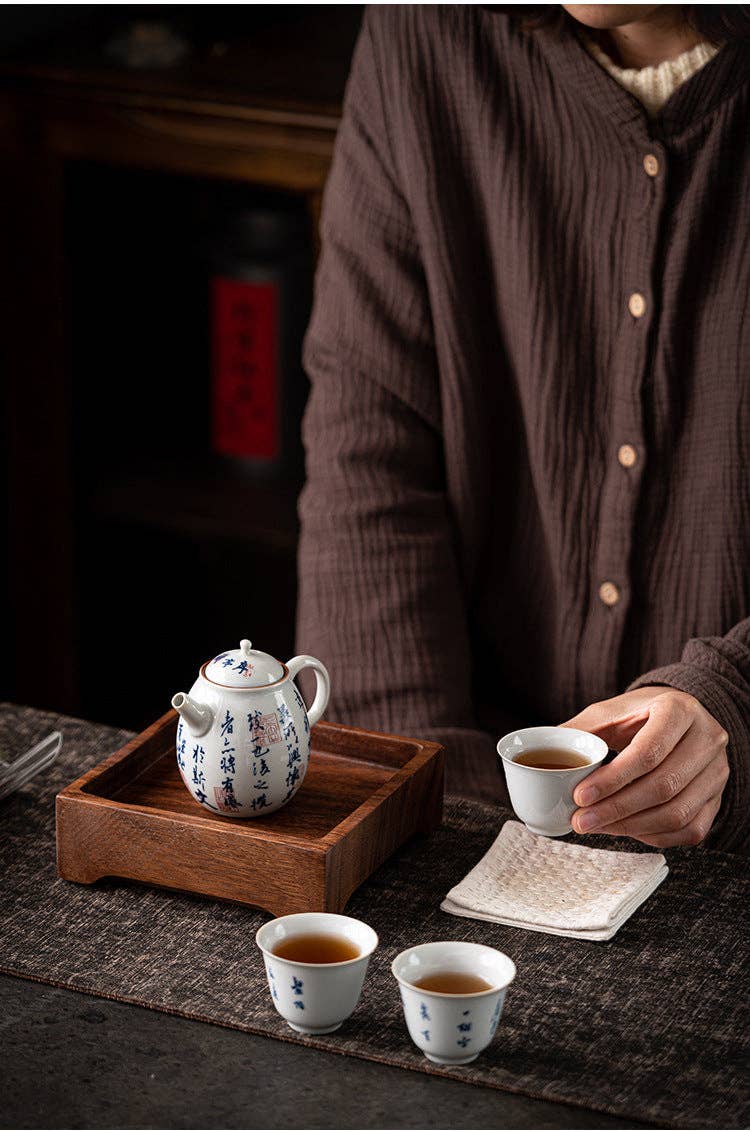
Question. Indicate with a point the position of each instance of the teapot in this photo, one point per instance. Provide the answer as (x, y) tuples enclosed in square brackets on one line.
[(243, 739)]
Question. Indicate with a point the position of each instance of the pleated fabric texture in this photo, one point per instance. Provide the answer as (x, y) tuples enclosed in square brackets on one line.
[(649, 1025), (476, 368)]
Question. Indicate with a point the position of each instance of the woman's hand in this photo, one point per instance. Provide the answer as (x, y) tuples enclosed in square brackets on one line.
[(665, 786)]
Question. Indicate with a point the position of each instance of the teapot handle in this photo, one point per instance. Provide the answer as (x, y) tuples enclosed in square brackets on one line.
[(322, 684)]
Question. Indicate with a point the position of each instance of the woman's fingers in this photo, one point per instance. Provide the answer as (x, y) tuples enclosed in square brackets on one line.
[(692, 834), (688, 760), (682, 796), (669, 718), (665, 786)]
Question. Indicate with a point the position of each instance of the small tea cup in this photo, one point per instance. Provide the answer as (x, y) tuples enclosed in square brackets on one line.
[(543, 799), (315, 998), (452, 1029)]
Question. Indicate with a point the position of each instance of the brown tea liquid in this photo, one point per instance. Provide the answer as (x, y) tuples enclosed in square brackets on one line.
[(453, 982), (317, 948), (551, 758)]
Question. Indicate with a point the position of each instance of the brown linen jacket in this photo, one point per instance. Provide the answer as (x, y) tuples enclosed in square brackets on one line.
[(478, 551)]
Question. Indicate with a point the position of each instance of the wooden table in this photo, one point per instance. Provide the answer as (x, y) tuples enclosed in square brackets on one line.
[(73, 1061)]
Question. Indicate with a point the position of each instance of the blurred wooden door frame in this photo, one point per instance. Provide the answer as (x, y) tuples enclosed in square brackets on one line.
[(48, 120)]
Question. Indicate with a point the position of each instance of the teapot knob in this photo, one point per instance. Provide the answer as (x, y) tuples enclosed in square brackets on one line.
[(246, 648)]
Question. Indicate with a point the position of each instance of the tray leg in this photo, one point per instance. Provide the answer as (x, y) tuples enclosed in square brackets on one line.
[(431, 810), (339, 905), (281, 905), (79, 876)]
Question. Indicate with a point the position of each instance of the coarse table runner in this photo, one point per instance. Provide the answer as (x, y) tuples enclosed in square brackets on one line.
[(652, 1025)]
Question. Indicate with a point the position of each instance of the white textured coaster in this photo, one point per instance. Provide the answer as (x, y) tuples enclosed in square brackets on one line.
[(528, 881)]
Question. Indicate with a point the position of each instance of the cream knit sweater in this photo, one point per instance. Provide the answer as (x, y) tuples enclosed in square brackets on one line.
[(653, 85)]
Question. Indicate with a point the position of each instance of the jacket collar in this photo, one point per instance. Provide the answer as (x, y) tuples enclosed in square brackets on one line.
[(693, 100)]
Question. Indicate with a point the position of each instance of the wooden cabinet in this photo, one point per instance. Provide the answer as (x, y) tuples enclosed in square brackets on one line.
[(122, 551)]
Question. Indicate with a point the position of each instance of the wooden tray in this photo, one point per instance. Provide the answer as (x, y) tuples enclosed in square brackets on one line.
[(364, 794)]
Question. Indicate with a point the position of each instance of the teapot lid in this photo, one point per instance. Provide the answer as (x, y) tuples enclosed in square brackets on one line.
[(244, 667)]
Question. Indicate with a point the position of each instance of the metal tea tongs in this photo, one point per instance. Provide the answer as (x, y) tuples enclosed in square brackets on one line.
[(17, 773)]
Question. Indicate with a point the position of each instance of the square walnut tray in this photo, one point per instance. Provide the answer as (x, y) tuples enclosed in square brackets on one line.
[(364, 794)]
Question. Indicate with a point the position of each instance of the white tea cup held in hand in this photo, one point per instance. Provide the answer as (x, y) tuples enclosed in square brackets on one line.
[(543, 798), (315, 997), (452, 1028)]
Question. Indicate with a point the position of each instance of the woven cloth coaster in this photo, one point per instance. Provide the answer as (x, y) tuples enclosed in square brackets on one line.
[(528, 881)]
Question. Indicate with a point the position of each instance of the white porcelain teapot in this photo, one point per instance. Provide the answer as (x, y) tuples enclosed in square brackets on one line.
[(243, 740)]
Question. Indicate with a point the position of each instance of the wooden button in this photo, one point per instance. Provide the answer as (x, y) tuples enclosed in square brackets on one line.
[(637, 304), (651, 165), (627, 455), (609, 593)]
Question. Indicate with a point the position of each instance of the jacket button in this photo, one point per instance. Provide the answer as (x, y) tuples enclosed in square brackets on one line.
[(627, 455), (609, 593), (637, 304), (651, 165)]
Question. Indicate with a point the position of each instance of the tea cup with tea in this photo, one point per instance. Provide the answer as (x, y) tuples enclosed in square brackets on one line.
[(315, 965), (453, 995), (543, 766)]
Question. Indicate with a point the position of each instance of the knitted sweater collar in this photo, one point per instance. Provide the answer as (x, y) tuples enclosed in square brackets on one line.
[(654, 85), (693, 99)]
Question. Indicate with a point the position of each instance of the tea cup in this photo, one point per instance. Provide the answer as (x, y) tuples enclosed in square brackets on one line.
[(452, 1029), (543, 799), (315, 998)]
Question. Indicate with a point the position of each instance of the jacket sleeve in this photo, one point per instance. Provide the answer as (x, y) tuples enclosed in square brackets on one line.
[(716, 670), (380, 597)]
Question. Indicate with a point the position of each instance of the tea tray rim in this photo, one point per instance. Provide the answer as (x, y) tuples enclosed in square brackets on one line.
[(424, 751)]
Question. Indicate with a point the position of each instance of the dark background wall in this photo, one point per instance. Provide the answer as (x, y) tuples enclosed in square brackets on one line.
[(139, 544), (25, 25), (22, 24)]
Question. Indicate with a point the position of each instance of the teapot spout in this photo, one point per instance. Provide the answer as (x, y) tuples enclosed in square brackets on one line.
[(198, 717)]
